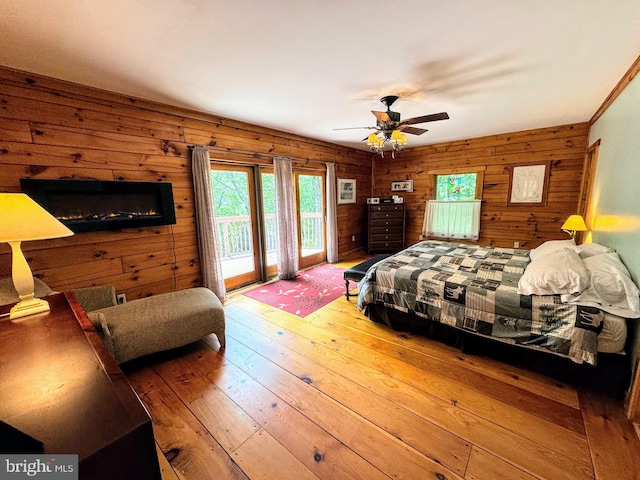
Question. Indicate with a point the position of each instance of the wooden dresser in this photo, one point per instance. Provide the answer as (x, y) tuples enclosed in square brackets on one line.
[(385, 227), (60, 386)]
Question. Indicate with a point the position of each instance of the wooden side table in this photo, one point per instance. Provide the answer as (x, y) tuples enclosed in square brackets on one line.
[(59, 385)]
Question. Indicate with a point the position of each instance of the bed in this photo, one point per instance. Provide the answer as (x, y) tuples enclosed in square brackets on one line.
[(550, 299)]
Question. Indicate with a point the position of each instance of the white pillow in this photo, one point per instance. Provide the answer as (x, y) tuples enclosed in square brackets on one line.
[(587, 250), (554, 273), (552, 246), (611, 287)]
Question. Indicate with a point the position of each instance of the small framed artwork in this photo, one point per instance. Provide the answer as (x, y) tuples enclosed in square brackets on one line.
[(528, 184), (402, 186), (346, 191)]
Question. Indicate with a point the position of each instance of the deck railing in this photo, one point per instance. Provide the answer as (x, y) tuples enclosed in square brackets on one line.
[(236, 238)]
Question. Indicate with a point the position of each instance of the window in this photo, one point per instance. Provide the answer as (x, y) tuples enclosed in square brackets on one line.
[(456, 187), (455, 210)]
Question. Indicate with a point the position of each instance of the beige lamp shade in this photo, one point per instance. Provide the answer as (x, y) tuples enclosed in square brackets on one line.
[(22, 219)]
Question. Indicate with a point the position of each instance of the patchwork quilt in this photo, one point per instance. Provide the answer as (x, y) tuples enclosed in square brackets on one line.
[(474, 288)]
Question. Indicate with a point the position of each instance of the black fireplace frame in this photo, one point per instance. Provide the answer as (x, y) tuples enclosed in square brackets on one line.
[(44, 190)]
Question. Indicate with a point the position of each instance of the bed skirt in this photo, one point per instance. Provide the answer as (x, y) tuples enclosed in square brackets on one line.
[(612, 375)]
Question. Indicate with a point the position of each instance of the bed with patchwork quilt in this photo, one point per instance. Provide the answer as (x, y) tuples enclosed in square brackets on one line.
[(475, 289)]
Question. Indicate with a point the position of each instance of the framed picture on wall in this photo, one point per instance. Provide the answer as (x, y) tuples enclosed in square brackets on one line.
[(346, 191), (402, 186), (528, 184)]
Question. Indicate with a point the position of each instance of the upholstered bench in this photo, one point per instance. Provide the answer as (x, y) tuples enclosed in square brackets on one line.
[(142, 326), (152, 324), (357, 272)]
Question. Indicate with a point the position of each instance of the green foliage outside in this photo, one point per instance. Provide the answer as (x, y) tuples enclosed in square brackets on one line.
[(456, 187), (310, 193), (231, 193)]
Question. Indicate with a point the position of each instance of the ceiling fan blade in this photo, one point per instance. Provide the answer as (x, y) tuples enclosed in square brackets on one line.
[(382, 116), (412, 130), (426, 118)]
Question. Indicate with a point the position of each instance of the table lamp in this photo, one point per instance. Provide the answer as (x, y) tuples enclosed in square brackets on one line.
[(575, 223), (21, 220)]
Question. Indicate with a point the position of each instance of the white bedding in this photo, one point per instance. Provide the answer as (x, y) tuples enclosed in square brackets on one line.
[(559, 266), (610, 287), (613, 335)]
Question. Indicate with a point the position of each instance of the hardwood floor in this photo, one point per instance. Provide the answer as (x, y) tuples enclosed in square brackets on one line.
[(336, 396)]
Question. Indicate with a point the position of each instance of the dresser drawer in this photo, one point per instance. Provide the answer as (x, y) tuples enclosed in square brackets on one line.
[(386, 230), (385, 215), (386, 237), (390, 207), (385, 246), (386, 222)]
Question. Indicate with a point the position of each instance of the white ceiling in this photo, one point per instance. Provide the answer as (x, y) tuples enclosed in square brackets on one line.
[(309, 66)]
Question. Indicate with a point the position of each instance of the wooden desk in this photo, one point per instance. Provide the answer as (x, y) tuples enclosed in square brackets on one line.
[(59, 385)]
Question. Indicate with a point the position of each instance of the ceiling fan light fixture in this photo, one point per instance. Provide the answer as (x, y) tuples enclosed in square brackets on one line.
[(375, 143), (398, 140)]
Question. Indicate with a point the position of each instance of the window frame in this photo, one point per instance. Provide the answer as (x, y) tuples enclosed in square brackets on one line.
[(432, 176)]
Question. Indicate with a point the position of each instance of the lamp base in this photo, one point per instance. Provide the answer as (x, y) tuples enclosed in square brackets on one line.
[(28, 307)]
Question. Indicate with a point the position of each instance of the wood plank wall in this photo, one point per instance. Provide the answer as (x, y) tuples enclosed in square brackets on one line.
[(501, 225), (53, 129)]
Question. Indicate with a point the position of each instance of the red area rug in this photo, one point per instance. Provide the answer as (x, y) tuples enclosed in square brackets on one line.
[(304, 294)]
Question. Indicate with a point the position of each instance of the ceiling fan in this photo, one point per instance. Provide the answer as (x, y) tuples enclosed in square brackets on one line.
[(392, 128)]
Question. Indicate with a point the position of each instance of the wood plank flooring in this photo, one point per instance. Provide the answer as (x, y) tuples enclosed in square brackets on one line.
[(336, 396)]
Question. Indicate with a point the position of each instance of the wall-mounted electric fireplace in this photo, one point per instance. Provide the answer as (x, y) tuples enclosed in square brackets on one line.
[(95, 205)]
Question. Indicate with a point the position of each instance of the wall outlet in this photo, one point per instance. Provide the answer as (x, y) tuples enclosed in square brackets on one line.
[(121, 298), (353, 238), (516, 244)]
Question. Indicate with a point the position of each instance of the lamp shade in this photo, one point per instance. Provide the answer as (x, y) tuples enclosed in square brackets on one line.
[(574, 223), (23, 220)]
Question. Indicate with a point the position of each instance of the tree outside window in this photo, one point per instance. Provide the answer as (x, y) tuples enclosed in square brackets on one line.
[(454, 187)]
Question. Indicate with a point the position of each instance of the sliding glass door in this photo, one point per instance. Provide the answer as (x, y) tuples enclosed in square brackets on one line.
[(270, 228), (235, 204), (245, 203), (311, 215)]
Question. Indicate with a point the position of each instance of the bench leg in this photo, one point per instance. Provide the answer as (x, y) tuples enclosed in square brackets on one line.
[(346, 286)]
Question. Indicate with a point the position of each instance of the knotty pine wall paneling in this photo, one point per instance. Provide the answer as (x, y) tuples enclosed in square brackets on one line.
[(54, 129), (501, 225)]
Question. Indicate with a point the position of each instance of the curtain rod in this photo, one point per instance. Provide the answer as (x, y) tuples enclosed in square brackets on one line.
[(262, 155)]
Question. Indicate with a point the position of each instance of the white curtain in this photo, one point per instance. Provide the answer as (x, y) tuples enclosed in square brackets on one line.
[(459, 219), (332, 217), (287, 253), (206, 226)]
